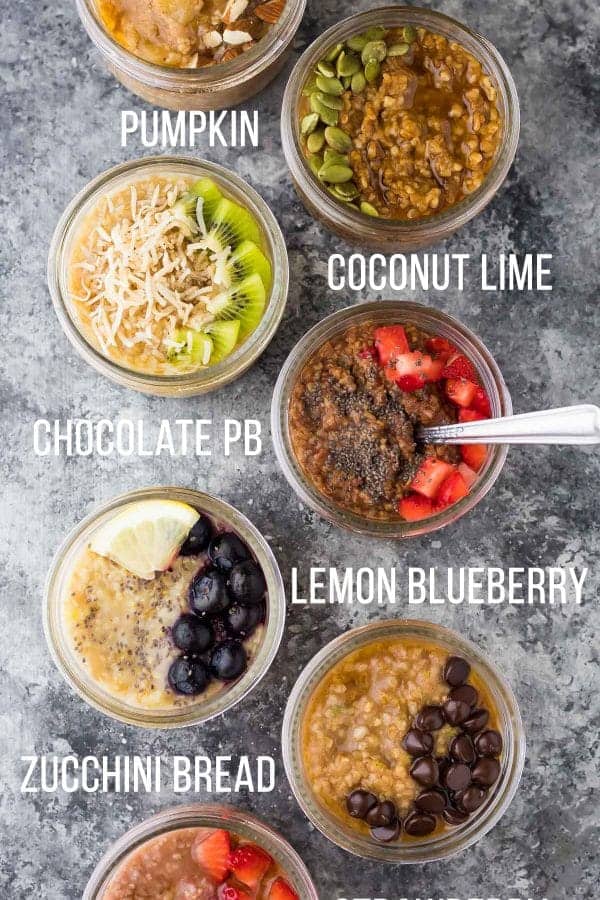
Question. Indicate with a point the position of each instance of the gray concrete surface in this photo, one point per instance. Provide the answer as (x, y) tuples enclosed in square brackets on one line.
[(60, 126)]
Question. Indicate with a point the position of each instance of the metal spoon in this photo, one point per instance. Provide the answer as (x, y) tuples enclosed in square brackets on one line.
[(566, 425)]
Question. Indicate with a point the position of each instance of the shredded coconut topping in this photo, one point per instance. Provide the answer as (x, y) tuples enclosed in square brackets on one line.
[(141, 273)]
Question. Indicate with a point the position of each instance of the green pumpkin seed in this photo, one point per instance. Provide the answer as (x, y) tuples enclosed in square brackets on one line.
[(333, 54), (315, 141), (409, 33), (376, 32), (310, 86), (376, 50), (368, 210), (330, 85), (347, 81), (327, 114), (334, 173), (372, 70), (346, 191), (338, 139), (398, 49), (347, 64), (358, 83), (329, 100), (309, 123), (326, 68), (357, 42), (315, 162), (332, 156)]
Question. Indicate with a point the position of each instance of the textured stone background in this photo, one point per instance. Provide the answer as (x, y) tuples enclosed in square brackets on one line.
[(60, 124)]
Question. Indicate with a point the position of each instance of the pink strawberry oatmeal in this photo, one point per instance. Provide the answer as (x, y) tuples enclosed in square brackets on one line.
[(353, 415), (199, 864)]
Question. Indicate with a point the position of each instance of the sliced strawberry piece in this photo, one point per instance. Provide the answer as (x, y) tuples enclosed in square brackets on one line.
[(281, 890), (249, 864), (481, 402), (229, 892), (430, 475), (458, 366), (440, 347), (368, 353), (460, 392), (410, 383), (468, 474), (474, 455), (414, 507), (391, 342), (212, 853), (420, 365), (453, 489), (469, 415)]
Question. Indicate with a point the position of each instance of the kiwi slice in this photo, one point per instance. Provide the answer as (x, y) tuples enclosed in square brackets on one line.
[(244, 301), (231, 224), (224, 336), (246, 260), (197, 350), (208, 197)]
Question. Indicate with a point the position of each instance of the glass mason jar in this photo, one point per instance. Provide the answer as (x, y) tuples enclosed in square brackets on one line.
[(78, 677), (436, 846), (387, 312), (212, 87), (65, 236), (388, 234), (240, 822)]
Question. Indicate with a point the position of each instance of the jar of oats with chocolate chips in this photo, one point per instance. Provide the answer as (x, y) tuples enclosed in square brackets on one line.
[(193, 54)]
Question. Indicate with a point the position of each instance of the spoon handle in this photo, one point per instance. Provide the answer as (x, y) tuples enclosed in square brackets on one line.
[(567, 425)]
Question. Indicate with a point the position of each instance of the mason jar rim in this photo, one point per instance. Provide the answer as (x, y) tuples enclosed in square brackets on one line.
[(382, 312), (437, 847), (429, 229), (200, 815), (189, 383), (208, 78), (99, 698)]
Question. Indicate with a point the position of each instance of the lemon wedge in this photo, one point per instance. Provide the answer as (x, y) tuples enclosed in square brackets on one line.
[(145, 537)]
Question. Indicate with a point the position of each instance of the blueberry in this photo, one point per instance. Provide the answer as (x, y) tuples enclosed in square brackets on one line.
[(188, 676), (191, 634), (208, 594), (226, 550), (243, 620), (246, 582), (198, 539), (228, 660)]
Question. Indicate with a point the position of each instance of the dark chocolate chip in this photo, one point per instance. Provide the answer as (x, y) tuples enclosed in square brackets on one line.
[(471, 798), (417, 743), (456, 711), (382, 815), (485, 772), (457, 777), (462, 749), (431, 718), (456, 670), (359, 802), (425, 770), (489, 743), (431, 801), (466, 693), (476, 721), (455, 816), (444, 764), (418, 824), (386, 833)]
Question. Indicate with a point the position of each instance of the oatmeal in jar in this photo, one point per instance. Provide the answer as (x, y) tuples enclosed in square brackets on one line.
[(189, 34), (401, 739), (400, 122), (164, 607), (199, 864), (353, 415)]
